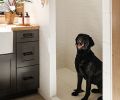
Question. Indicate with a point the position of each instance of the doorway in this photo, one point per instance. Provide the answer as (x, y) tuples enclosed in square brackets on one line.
[(82, 16)]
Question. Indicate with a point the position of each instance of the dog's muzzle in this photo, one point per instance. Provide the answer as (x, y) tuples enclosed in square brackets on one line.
[(79, 46)]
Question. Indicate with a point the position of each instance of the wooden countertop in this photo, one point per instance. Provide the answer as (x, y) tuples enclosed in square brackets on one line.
[(19, 27)]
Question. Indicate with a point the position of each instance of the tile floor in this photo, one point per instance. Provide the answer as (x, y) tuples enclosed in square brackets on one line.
[(66, 83)]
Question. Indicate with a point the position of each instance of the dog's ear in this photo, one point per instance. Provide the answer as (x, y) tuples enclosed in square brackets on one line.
[(91, 42), (77, 38), (88, 42)]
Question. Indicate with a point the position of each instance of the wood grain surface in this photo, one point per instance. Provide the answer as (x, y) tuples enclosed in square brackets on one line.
[(22, 27), (116, 49)]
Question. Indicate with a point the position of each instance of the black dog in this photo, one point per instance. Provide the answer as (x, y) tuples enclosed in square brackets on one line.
[(88, 66)]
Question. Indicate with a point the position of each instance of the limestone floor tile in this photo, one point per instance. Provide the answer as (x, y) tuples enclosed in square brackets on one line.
[(66, 83)]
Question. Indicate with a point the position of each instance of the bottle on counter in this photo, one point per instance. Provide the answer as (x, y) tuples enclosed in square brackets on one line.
[(27, 19), (21, 19)]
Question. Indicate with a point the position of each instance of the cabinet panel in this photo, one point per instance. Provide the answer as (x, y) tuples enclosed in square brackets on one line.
[(5, 72), (27, 35), (27, 78), (27, 54)]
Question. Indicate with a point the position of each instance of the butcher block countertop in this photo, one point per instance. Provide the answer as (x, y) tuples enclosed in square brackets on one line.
[(13, 27), (20, 27)]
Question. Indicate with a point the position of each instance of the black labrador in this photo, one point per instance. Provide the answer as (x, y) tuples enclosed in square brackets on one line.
[(88, 66)]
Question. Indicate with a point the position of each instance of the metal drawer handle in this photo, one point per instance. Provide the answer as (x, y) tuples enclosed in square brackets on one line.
[(28, 35), (28, 53), (28, 78)]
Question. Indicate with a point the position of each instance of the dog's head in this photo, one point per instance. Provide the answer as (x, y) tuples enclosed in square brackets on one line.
[(84, 42)]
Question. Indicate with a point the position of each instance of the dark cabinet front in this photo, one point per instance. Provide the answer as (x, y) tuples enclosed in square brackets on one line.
[(27, 78), (19, 72), (7, 74), (27, 59), (27, 35), (27, 54)]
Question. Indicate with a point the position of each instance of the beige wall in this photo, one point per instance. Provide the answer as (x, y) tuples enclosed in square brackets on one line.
[(73, 17)]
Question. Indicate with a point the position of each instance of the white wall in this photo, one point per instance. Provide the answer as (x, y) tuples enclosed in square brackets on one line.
[(73, 17), (107, 49), (45, 17)]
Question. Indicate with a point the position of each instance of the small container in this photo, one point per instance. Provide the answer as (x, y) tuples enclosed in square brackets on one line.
[(27, 19), (9, 17), (21, 19)]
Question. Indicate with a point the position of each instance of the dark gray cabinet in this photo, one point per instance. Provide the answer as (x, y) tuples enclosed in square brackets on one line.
[(27, 35), (27, 54), (27, 78), (7, 74), (19, 72), (27, 59)]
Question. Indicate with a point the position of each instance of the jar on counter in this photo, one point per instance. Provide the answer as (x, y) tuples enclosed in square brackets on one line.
[(27, 19)]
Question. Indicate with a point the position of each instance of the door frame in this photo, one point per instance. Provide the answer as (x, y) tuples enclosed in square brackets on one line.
[(107, 49)]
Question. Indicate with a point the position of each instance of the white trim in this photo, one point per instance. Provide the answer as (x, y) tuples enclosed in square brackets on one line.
[(52, 22), (111, 49), (107, 49)]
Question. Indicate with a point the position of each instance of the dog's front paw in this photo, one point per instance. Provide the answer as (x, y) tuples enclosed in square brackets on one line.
[(95, 91), (84, 98), (82, 91), (79, 90), (75, 93)]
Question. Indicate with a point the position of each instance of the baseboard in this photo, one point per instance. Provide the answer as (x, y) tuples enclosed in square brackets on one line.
[(55, 98), (46, 97)]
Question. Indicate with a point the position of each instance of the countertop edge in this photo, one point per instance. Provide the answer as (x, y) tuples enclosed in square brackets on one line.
[(20, 28)]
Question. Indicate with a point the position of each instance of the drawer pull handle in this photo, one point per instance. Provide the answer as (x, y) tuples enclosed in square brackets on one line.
[(28, 53), (28, 78), (27, 35)]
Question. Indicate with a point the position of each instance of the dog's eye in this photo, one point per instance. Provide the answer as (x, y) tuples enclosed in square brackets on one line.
[(79, 43)]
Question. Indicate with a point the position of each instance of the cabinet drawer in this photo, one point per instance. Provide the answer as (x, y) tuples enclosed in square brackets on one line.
[(27, 35), (27, 54), (28, 78)]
